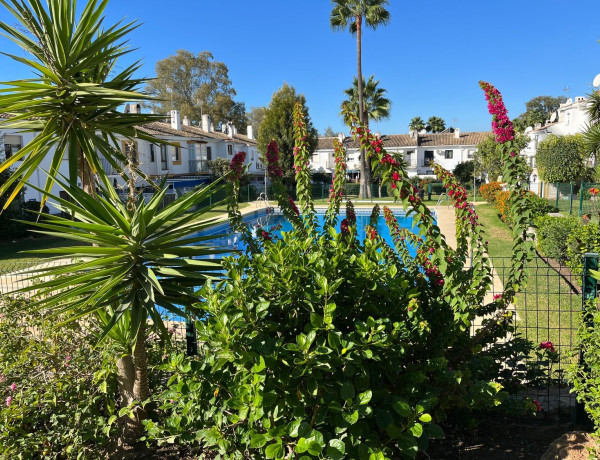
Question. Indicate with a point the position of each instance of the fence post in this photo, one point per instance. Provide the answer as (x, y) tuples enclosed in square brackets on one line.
[(557, 193), (191, 341), (571, 200), (322, 191), (428, 192), (581, 189), (589, 289)]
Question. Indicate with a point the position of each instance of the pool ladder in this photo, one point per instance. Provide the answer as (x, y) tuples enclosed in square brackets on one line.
[(442, 196)]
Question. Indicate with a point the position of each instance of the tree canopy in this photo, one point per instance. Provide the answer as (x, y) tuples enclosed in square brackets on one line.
[(278, 124), (255, 118), (592, 134), (538, 110), (416, 124), (197, 84), (376, 105), (436, 125), (329, 132), (464, 172), (488, 160), (561, 158)]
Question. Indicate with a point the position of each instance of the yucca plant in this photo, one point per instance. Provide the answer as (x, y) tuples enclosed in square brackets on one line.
[(72, 100), (135, 262)]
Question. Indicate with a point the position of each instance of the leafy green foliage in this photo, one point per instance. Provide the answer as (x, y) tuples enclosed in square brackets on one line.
[(435, 125), (581, 239), (196, 84), (376, 105), (488, 157), (561, 158), (278, 124), (552, 234), (73, 100), (538, 110), (61, 405), (464, 172), (585, 377), (134, 259)]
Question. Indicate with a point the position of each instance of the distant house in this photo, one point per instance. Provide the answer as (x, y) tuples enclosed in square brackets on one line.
[(184, 162), (570, 118), (418, 151)]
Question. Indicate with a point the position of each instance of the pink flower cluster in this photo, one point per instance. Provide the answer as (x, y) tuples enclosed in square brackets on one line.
[(458, 194), (371, 233), (338, 174), (548, 346), (237, 166), (501, 124), (345, 227), (293, 206), (273, 168), (9, 400), (350, 214), (538, 405), (497, 296)]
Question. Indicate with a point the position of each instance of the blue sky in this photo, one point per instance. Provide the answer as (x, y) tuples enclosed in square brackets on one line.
[(429, 58)]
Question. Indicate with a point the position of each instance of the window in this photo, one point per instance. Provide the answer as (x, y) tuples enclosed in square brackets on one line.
[(469, 153), (208, 153), (163, 157), (198, 161), (152, 159), (230, 149), (176, 157), (12, 144), (448, 154), (428, 158)]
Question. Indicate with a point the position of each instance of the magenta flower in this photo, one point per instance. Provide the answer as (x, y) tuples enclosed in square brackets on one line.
[(547, 346), (497, 296), (273, 169), (501, 124), (345, 227), (13, 387), (9, 401), (293, 206), (538, 405), (237, 166)]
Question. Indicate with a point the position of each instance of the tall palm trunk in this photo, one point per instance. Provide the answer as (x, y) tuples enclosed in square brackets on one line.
[(364, 172)]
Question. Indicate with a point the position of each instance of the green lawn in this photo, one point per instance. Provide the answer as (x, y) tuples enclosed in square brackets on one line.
[(548, 308)]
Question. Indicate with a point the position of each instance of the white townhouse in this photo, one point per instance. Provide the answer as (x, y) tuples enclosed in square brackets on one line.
[(418, 151), (570, 118), (184, 161)]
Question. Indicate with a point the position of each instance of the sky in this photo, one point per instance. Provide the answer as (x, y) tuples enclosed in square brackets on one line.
[(429, 58)]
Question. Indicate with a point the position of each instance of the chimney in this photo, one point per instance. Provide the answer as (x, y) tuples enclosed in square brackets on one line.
[(186, 121), (538, 126), (212, 128), (456, 133), (230, 129), (224, 128), (250, 132), (341, 137), (176, 120), (206, 123), (412, 133)]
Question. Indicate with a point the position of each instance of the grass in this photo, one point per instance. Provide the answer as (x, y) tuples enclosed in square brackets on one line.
[(548, 308)]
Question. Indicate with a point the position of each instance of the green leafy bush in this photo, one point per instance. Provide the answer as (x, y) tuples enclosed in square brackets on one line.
[(552, 234), (585, 378), (319, 344), (581, 239), (54, 390), (561, 158)]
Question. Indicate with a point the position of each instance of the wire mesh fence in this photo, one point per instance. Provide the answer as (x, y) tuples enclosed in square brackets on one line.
[(549, 308), (573, 198)]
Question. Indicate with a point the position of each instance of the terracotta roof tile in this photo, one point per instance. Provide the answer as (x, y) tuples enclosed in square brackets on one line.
[(405, 140)]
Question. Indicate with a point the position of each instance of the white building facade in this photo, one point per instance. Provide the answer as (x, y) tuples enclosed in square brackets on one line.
[(184, 161), (418, 151)]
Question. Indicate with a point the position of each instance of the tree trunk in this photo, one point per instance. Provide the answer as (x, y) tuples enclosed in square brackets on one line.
[(86, 176), (364, 193)]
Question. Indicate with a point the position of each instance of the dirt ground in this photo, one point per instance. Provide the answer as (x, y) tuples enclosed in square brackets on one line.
[(507, 439)]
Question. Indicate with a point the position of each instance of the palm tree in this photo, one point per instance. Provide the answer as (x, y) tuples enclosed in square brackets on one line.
[(72, 104), (349, 14), (592, 134), (436, 124), (416, 124), (72, 100), (376, 106)]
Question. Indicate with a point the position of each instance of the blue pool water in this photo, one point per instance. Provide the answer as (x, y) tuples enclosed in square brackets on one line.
[(267, 221)]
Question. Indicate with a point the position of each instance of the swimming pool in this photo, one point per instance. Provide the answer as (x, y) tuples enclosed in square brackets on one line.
[(268, 221)]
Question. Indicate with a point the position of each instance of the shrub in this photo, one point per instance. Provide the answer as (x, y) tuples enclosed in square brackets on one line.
[(585, 377), (552, 234), (561, 158), (321, 344), (581, 239), (490, 191), (59, 406), (535, 205)]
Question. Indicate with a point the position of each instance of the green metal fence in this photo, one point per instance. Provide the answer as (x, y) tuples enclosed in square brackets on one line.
[(573, 198)]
